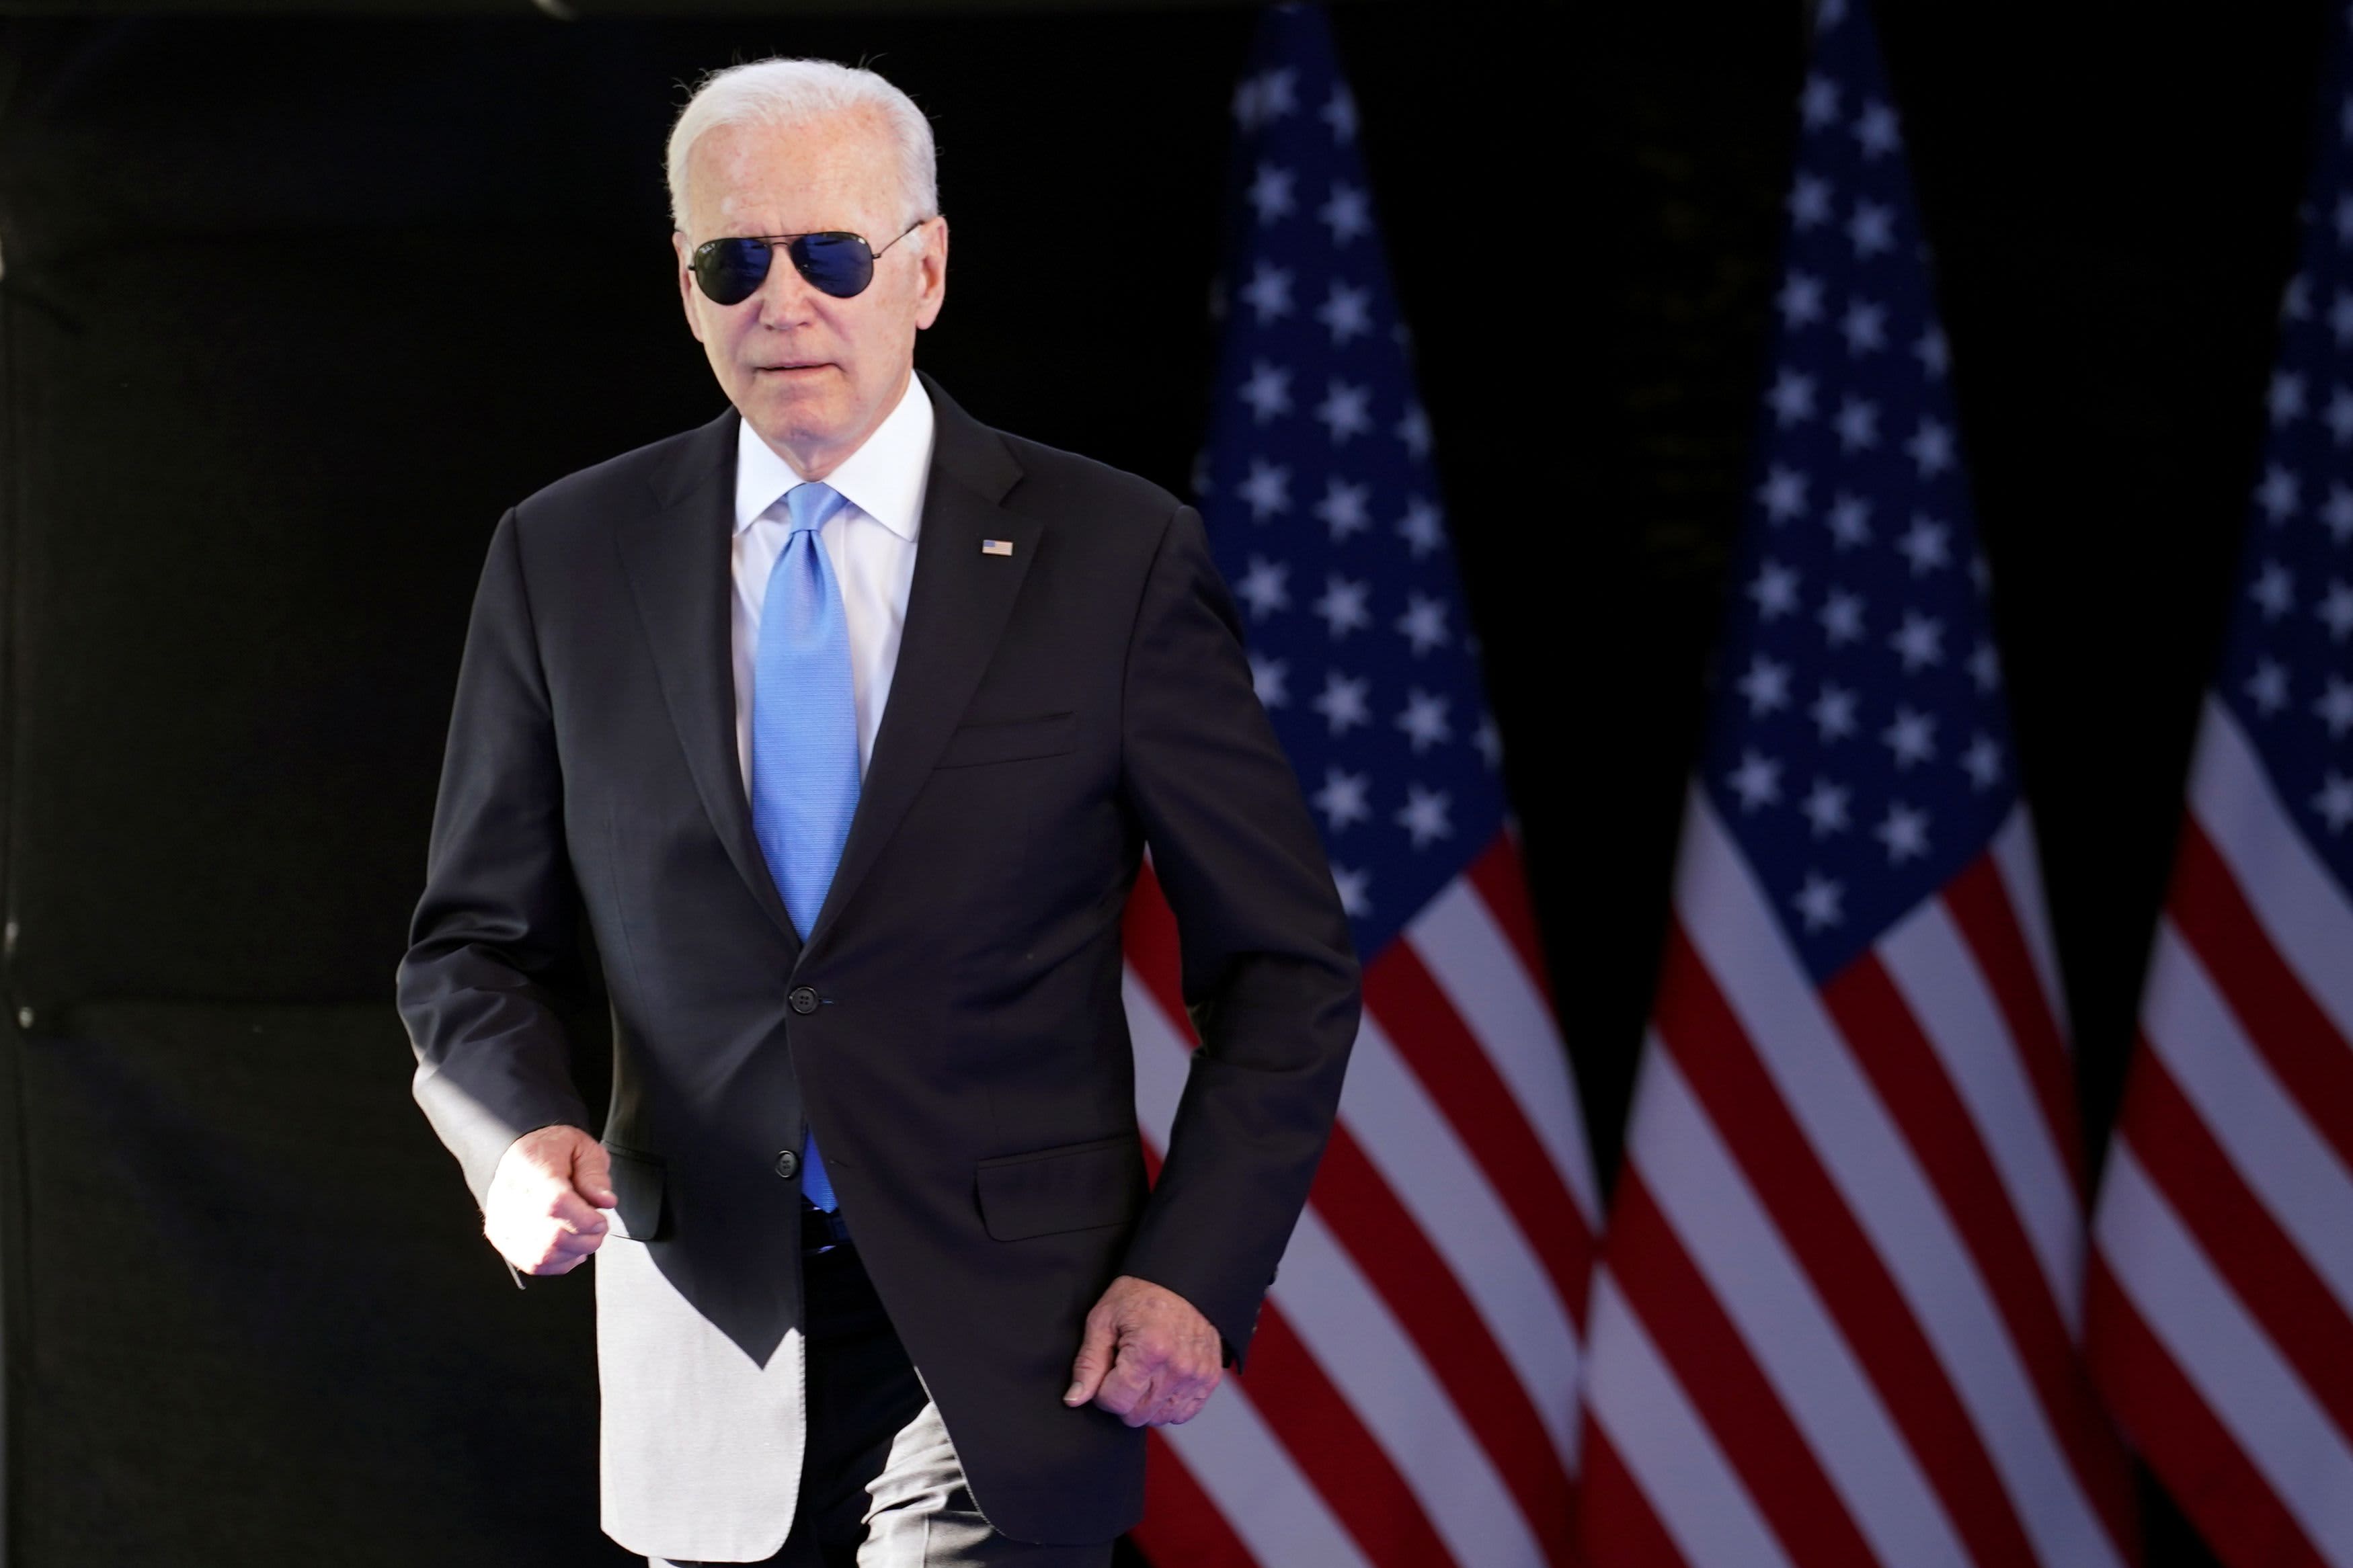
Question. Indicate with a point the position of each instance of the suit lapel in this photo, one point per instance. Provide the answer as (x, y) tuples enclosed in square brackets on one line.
[(958, 606), (676, 553)]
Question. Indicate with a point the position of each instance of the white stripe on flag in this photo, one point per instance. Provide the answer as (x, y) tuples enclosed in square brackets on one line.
[(2226, 1356), (1163, 1058), (1479, 972), (2294, 897), (1940, 982), (2263, 1130), (1420, 1155), (2021, 878), (1249, 1475), (1668, 1448), (1708, 1200), (1380, 1372), (1743, 945)]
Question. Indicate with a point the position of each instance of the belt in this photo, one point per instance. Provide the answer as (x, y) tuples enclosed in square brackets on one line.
[(820, 1229)]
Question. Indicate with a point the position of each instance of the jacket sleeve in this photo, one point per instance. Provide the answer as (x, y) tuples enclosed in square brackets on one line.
[(1270, 975), (493, 937)]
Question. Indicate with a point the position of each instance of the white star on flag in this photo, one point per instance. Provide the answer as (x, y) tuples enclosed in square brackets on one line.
[(1271, 194), (1818, 901), (1865, 327), (1344, 605), (1346, 213), (1784, 494), (1345, 509), (1904, 831), (1267, 490), (1422, 527), (1269, 678), (1825, 807), (1344, 701), (1265, 587), (1343, 799), (1912, 737), (1792, 397), (1832, 713), (1424, 816), (1344, 411), (1268, 392), (1346, 312), (1842, 617), (1756, 781), (1424, 625), (1267, 293), (1775, 589), (1423, 720), (1766, 686)]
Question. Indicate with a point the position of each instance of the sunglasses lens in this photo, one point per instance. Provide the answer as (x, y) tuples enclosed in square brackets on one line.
[(835, 264), (729, 270)]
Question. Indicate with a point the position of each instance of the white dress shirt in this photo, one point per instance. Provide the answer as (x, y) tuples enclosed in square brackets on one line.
[(870, 541)]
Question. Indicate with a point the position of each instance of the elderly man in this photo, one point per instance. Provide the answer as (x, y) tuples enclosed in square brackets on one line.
[(843, 722)]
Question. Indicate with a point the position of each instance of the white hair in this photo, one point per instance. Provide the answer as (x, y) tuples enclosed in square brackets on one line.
[(785, 93)]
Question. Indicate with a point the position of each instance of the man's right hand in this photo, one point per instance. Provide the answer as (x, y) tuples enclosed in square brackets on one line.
[(541, 1213)]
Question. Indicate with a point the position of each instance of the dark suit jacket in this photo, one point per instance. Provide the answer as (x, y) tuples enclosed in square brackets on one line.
[(953, 1029)]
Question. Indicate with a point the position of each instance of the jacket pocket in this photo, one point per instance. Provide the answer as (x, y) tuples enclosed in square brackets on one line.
[(1009, 739), (1077, 1186), (638, 1181)]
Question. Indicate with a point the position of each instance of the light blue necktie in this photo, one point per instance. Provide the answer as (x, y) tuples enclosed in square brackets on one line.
[(804, 736)]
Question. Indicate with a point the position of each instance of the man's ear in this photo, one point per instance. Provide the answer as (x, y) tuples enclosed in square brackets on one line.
[(934, 263)]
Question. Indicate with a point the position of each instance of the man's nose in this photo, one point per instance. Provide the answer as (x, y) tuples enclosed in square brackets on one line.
[(784, 298)]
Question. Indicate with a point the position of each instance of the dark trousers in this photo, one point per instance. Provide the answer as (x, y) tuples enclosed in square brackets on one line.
[(881, 1486)]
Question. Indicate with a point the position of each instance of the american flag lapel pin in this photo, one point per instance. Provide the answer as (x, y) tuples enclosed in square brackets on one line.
[(996, 547)]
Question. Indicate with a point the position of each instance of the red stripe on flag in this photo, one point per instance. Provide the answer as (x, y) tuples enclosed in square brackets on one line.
[(1980, 907), (2201, 1465), (2279, 1016), (1503, 887), (1714, 1366), (1182, 1527), (1339, 1457), (2261, 1263), (1455, 1072), (1886, 1039), (1708, 1043), (1436, 1313), (1619, 1528)]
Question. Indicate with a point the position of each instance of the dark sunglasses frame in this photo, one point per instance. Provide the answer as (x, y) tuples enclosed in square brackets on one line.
[(833, 261)]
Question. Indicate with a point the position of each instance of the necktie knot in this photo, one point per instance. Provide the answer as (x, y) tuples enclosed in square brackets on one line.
[(809, 505)]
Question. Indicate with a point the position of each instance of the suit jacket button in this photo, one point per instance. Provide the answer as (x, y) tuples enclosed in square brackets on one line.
[(788, 1165), (803, 999)]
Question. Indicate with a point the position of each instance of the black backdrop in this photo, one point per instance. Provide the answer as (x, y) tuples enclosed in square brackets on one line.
[(293, 308)]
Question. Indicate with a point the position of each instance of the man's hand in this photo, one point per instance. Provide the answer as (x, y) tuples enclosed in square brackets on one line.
[(542, 1211), (1148, 1357)]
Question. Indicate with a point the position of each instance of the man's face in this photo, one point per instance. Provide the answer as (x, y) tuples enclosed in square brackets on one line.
[(812, 373)]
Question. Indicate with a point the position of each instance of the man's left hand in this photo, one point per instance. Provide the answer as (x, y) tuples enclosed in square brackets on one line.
[(1148, 1357)]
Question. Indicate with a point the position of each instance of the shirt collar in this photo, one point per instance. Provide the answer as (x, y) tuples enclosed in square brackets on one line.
[(884, 477)]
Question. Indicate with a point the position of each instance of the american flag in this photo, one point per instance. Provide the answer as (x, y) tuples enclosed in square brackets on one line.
[(2222, 1297), (1835, 1319), (1410, 1396)]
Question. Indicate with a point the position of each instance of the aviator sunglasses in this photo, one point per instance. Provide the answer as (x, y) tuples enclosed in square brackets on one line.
[(729, 271)]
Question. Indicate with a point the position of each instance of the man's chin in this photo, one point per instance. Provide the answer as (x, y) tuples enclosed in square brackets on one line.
[(794, 422)]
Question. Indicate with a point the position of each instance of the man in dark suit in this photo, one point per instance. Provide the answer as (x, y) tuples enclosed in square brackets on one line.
[(843, 723)]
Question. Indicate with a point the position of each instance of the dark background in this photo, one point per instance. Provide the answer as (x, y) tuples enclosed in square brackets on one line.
[(292, 307)]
